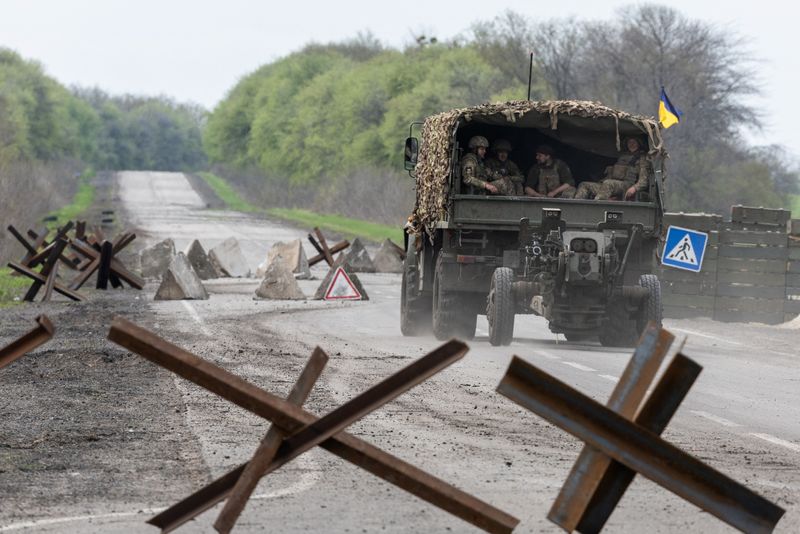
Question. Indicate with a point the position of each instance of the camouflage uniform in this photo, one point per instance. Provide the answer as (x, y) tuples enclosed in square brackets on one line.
[(507, 173), (475, 173), (546, 178), (630, 170)]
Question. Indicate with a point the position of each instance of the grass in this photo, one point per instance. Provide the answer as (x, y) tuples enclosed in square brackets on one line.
[(344, 225), (81, 202), (227, 194), (11, 286), (335, 223)]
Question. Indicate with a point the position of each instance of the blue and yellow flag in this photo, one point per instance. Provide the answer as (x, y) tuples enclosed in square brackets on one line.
[(667, 113)]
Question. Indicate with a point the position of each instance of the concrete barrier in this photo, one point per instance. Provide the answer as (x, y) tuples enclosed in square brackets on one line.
[(279, 283), (357, 258), (388, 259), (228, 259), (156, 259), (198, 258), (292, 254), (180, 282)]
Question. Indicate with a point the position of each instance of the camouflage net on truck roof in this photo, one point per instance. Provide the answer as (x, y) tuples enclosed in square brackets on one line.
[(433, 165)]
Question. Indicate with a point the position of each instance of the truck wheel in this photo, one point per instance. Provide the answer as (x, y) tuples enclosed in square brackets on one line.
[(500, 307), (415, 309), (652, 308), (452, 316)]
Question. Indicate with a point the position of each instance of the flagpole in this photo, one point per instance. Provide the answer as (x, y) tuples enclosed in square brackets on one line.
[(530, 76)]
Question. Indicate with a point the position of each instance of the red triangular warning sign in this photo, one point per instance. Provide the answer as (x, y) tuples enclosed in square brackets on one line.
[(341, 287)]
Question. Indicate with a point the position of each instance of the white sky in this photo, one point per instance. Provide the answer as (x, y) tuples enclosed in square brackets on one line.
[(197, 50)]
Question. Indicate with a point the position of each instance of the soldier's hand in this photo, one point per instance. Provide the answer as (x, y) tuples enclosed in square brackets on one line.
[(552, 193), (491, 188), (630, 192)]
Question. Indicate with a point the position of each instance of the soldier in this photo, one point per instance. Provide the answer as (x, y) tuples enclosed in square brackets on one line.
[(550, 177), (474, 171), (624, 179), (503, 169)]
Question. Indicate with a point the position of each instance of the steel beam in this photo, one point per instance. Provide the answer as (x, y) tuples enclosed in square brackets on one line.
[(53, 255), (38, 336), (662, 404), (268, 447), (42, 281), (626, 398), (638, 449), (305, 428)]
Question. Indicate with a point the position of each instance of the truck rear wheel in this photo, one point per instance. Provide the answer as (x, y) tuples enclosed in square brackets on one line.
[(451, 316), (415, 308), (500, 307), (652, 308)]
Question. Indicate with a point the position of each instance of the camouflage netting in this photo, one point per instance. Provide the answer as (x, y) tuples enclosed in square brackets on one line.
[(433, 166)]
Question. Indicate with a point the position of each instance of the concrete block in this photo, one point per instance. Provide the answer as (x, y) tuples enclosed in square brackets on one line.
[(292, 254), (156, 259), (180, 282), (388, 259), (228, 259), (357, 258), (279, 283), (199, 261)]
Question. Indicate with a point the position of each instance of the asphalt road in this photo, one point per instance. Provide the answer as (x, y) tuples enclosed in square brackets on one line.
[(742, 416)]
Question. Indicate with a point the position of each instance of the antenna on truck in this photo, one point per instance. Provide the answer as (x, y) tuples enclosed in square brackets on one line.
[(530, 75)]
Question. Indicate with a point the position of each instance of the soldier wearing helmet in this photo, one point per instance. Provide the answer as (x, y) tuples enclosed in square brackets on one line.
[(629, 175), (505, 172), (473, 169), (549, 177)]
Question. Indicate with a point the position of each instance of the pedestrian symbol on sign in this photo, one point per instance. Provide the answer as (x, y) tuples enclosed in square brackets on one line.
[(684, 249)]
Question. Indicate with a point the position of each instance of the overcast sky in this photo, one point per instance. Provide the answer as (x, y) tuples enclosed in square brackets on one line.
[(197, 50)]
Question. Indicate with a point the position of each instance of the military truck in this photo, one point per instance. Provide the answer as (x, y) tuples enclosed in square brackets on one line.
[(586, 266)]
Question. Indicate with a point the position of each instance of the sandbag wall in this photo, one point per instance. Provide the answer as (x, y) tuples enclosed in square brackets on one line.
[(750, 272)]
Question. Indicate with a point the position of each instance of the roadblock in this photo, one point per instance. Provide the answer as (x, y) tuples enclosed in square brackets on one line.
[(93, 254), (623, 440), (306, 431)]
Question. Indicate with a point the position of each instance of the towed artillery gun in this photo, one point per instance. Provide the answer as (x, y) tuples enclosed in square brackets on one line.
[(586, 266)]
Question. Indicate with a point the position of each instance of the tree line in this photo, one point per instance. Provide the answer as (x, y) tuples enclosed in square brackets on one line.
[(43, 121), (325, 118), (327, 112)]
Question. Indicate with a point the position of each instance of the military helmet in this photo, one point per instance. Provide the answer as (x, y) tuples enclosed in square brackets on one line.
[(477, 141), (502, 145), (547, 150)]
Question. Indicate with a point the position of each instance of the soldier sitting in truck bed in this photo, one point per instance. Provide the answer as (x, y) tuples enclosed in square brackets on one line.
[(475, 173), (629, 175), (503, 168), (549, 177)]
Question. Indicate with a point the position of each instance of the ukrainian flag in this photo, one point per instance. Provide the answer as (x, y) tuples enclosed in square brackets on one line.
[(667, 113)]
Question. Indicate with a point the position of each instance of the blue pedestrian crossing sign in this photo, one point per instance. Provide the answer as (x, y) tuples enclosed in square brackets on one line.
[(684, 249)]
